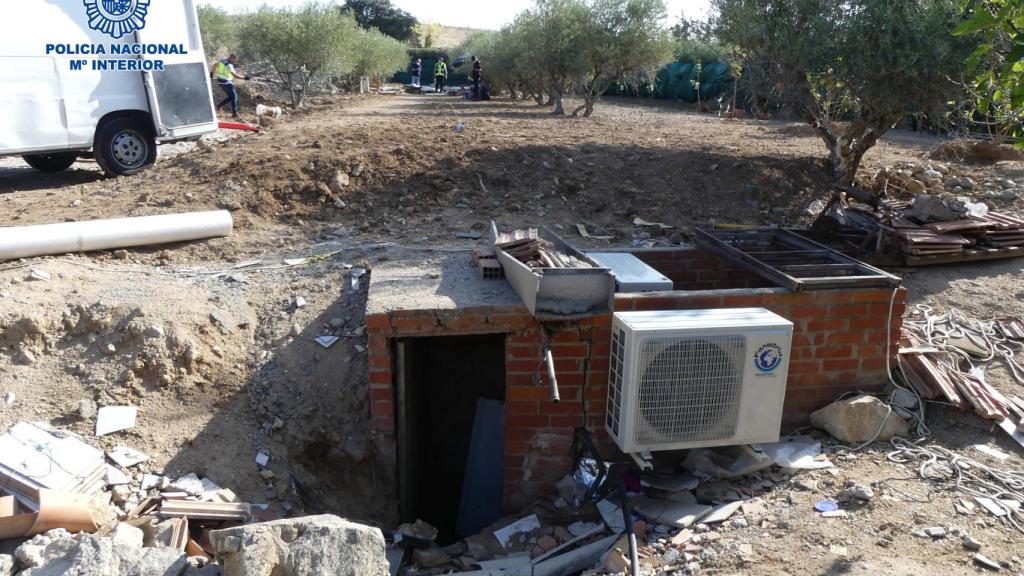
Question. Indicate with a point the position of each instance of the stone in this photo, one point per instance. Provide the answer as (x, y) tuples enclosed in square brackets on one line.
[(6, 565), (267, 474), (739, 522), (547, 543), (322, 544), (25, 358), (189, 483), (671, 556), (937, 208), (969, 543), (984, 562), (339, 182), (110, 350), (930, 177), (120, 493), (914, 186), (857, 420), (86, 409), (87, 554), (935, 532), (856, 492), (431, 557), (1005, 194), (161, 562), (120, 254), (418, 529), (153, 331)]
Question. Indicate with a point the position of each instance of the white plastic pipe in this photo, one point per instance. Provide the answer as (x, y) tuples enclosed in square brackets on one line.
[(27, 241)]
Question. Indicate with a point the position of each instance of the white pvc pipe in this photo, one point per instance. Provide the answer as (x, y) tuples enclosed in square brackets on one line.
[(26, 241)]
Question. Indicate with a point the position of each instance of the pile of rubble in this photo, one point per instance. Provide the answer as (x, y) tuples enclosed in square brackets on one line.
[(81, 511), (909, 179), (682, 519)]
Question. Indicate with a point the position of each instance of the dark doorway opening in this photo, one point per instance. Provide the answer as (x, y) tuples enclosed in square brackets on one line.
[(451, 426)]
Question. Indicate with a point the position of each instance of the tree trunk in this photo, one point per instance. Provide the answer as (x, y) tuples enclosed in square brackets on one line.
[(559, 107), (848, 148)]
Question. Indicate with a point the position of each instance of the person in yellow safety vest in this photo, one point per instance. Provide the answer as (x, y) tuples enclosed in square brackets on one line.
[(440, 75), (224, 73)]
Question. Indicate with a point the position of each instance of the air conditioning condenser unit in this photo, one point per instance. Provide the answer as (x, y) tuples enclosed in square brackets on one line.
[(692, 378)]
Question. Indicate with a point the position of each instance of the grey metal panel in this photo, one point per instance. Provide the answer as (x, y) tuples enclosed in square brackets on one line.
[(631, 273), (182, 95)]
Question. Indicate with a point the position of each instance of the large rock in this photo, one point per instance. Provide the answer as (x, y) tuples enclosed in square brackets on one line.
[(161, 562), (299, 546), (6, 565), (89, 555), (858, 419)]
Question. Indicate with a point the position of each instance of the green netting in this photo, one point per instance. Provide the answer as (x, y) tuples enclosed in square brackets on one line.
[(676, 81)]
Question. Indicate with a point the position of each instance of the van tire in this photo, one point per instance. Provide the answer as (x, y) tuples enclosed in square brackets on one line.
[(124, 146), (51, 163)]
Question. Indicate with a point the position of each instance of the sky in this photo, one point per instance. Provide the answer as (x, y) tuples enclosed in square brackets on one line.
[(467, 13)]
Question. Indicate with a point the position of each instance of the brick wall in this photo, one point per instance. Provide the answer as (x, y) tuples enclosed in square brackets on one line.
[(838, 346), (694, 269)]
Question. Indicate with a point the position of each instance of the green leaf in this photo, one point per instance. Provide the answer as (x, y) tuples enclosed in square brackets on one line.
[(980, 20)]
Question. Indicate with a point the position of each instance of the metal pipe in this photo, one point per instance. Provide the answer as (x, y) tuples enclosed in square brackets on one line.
[(627, 516), (551, 375)]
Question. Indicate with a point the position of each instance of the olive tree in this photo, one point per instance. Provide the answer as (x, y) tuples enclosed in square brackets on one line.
[(301, 45), (850, 68), (997, 63), (622, 41), (377, 53), (217, 29)]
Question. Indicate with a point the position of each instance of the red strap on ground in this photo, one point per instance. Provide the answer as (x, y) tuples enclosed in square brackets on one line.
[(237, 126)]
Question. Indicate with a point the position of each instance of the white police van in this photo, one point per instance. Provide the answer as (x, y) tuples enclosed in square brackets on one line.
[(113, 77)]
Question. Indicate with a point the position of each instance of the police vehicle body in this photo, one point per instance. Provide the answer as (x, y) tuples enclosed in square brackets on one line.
[(113, 77)]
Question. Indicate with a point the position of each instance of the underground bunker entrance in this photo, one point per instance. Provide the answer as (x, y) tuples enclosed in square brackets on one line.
[(451, 431)]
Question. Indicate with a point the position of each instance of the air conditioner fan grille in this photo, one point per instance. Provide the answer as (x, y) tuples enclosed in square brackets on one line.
[(689, 389)]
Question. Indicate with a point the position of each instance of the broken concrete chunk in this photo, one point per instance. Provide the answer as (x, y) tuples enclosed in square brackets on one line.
[(984, 562), (858, 419), (86, 409), (299, 546), (223, 319), (419, 529), (160, 562), (6, 565), (856, 492), (189, 483)]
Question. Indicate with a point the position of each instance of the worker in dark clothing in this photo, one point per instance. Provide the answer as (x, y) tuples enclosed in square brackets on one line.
[(476, 74), (417, 69), (440, 75)]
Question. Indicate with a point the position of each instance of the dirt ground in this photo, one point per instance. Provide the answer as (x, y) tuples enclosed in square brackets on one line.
[(213, 340)]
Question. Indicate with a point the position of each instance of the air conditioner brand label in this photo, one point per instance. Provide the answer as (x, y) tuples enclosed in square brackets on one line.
[(768, 358)]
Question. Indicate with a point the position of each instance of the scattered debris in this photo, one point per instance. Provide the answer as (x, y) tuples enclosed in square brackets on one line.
[(126, 457), (326, 341), (110, 419)]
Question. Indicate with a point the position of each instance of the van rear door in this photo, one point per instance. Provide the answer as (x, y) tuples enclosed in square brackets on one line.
[(179, 95)]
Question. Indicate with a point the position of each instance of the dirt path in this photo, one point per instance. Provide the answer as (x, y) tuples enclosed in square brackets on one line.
[(222, 361)]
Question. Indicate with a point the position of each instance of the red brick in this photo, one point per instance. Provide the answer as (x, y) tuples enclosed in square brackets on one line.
[(380, 377), (867, 323), (831, 296), (525, 337), (561, 407), (833, 352), (527, 421), (381, 394), (868, 350), (526, 366), (816, 379), (532, 392), (877, 363), (743, 300), (845, 338), (600, 350), (524, 351), (518, 379), (840, 364), (384, 407), (807, 312), (566, 420), (869, 296), (383, 422), (595, 392), (818, 325), (804, 367), (415, 325), (379, 360), (377, 322), (521, 406), (796, 394), (571, 335), (574, 350)]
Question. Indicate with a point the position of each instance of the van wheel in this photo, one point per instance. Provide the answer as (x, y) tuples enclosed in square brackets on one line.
[(51, 163), (124, 146)]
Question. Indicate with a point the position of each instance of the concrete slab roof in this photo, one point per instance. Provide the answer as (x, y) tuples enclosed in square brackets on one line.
[(434, 282)]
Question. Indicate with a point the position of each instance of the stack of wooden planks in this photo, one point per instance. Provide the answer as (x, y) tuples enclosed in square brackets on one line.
[(527, 247), (900, 233)]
